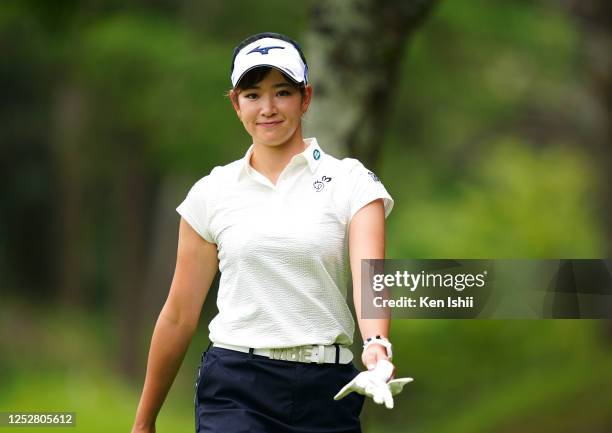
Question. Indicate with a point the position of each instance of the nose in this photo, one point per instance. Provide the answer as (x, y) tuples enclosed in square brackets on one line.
[(268, 108)]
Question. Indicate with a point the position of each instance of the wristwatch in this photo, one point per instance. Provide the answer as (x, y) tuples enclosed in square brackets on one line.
[(379, 340)]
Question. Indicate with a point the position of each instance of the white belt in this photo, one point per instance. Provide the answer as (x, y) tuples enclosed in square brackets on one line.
[(312, 353)]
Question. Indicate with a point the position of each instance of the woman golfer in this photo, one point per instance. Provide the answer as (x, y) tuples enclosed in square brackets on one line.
[(279, 224)]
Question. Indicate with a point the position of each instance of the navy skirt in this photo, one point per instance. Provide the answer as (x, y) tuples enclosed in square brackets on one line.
[(237, 393)]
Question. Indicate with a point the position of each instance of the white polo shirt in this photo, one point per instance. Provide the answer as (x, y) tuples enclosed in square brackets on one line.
[(283, 249)]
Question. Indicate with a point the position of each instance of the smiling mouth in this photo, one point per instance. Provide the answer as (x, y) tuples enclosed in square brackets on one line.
[(269, 124)]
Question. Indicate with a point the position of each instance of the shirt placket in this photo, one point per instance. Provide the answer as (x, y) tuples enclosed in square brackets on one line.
[(286, 176)]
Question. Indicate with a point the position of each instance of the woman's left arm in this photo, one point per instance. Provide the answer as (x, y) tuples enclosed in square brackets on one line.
[(367, 241)]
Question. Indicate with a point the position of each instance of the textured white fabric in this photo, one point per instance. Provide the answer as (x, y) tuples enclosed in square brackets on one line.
[(283, 249)]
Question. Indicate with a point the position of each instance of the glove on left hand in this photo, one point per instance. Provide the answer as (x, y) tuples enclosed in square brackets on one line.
[(374, 384)]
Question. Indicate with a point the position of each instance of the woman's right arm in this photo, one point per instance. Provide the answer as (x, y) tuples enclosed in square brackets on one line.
[(196, 266)]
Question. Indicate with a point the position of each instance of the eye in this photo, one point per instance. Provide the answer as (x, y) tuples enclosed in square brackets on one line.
[(283, 93), (251, 96)]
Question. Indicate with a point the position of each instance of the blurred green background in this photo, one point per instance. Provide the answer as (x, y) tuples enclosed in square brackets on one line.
[(497, 146)]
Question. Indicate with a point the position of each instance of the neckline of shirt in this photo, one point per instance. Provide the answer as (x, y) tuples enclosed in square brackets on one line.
[(312, 155)]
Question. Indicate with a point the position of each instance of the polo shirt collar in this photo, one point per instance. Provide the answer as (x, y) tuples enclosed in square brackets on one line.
[(312, 154)]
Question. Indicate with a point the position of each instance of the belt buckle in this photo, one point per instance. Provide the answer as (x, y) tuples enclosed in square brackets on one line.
[(300, 353), (321, 354)]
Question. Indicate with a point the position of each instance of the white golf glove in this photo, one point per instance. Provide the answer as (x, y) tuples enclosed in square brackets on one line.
[(374, 384)]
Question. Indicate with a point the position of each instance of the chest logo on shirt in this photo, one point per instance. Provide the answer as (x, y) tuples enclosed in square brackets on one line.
[(320, 184)]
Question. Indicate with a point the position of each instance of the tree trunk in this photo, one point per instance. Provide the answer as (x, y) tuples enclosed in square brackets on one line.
[(163, 248), (594, 18), (69, 130), (354, 49), (136, 190)]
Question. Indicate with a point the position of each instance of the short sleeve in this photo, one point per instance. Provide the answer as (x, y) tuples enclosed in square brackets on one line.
[(365, 187), (195, 208)]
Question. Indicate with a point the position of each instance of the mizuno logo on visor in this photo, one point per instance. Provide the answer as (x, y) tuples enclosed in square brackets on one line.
[(263, 50)]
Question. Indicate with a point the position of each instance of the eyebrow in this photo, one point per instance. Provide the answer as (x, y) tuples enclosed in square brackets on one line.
[(276, 86)]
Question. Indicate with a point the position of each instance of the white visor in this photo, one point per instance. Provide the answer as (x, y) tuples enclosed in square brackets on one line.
[(272, 52)]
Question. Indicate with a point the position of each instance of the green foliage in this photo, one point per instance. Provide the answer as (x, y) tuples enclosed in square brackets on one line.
[(234, 21), (512, 202), (157, 83), (476, 158), (61, 360), (475, 68), (493, 375)]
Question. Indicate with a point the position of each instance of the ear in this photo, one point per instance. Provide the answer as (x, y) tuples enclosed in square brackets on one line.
[(234, 98), (307, 98)]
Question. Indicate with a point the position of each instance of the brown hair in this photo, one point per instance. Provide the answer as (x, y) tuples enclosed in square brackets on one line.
[(256, 75)]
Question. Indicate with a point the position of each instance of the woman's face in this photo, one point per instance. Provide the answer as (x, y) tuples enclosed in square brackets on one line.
[(271, 111)]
